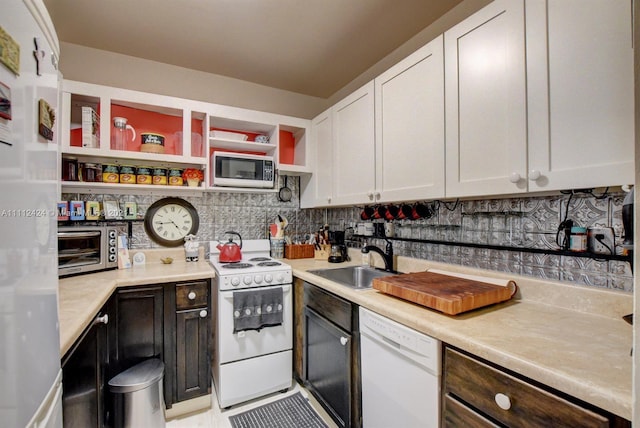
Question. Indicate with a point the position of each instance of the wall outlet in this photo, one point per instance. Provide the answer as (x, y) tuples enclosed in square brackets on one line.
[(601, 240)]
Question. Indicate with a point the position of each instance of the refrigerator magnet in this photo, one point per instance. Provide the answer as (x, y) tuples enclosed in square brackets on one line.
[(9, 52), (5, 101), (46, 119)]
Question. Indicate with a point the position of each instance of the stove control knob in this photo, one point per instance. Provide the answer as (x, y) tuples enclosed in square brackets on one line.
[(268, 278), (235, 281), (247, 280), (280, 277), (258, 279)]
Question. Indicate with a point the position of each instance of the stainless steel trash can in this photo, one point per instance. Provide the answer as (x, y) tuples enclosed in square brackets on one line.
[(137, 396)]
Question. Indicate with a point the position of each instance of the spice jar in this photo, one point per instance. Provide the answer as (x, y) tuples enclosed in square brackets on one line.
[(111, 174), (127, 175), (159, 176), (578, 239), (143, 175)]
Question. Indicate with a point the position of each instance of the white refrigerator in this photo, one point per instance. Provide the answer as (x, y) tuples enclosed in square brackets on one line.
[(30, 375)]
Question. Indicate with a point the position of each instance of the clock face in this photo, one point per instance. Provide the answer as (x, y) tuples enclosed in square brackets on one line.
[(169, 220)]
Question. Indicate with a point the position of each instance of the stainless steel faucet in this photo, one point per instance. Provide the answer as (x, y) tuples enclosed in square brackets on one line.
[(387, 256)]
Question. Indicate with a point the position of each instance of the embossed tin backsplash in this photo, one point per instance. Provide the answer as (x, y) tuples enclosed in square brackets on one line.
[(529, 222)]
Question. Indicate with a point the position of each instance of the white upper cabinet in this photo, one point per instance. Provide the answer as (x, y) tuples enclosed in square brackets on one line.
[(409, 126), (486, 116), (580, 98), (321, 190), (354, 148)]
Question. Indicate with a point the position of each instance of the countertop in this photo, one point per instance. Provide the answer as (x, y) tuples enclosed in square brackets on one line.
[(570, 338)]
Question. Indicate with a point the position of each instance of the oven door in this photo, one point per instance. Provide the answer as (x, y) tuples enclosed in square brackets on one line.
[(251, 343), (80, 250)]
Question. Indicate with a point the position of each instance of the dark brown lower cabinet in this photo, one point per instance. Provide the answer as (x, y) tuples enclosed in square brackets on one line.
[(193, 321), (477, 393), (169, 321), (84, 376)]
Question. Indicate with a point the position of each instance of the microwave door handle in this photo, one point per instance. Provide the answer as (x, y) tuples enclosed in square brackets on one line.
[(77, 234)]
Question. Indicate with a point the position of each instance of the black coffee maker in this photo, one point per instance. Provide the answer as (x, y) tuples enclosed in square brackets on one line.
[(338, 252), (627, 220)]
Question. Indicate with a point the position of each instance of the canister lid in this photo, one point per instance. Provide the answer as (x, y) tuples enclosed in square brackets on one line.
[(138, 377)]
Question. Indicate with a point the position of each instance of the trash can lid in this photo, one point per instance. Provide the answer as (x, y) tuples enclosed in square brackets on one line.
[(138, 377)]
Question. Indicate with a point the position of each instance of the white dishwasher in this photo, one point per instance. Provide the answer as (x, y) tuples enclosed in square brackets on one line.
[(400, 370)]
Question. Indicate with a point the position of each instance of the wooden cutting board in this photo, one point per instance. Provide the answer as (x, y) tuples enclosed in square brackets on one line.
[(449, 294)]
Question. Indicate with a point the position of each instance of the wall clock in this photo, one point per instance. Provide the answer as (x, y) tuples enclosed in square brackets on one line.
[(169, 220)]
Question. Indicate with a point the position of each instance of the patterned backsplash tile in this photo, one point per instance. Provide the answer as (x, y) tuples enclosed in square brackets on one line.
[(530, 222)]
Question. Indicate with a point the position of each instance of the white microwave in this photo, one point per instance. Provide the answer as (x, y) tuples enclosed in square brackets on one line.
[(242, 170)]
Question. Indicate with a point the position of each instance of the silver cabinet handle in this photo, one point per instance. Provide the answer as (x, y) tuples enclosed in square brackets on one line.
[(343, 340), (203, 313), (102, 320), (192, 295)]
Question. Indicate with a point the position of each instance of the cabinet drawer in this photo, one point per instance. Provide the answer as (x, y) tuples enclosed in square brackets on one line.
[(328, 305), (192, 295), (456, 414), (479, 384)]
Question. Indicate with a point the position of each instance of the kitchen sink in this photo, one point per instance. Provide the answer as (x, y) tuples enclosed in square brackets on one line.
[(356, 277)]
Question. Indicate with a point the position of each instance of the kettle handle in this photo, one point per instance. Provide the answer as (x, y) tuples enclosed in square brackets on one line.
[(237, 234)]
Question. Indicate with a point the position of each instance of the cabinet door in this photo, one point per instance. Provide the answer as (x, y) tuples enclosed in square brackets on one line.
[(580, 78), (328, 366), (486, 102), (192, 356), (321, 129), (410, 127), (83, 371), (354, 148), (139, 327)]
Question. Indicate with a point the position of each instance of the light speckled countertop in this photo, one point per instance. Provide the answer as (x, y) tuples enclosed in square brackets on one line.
[(569, 338)]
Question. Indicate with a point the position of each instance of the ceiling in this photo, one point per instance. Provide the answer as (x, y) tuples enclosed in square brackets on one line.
[(312, 47)]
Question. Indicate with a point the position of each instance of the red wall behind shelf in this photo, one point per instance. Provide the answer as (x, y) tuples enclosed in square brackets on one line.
[(144, 121)]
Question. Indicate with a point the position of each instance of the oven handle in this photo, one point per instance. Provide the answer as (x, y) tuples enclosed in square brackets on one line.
[(228, 294), (77, 234)]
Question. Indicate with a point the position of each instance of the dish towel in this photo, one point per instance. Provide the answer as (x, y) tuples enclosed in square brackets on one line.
[(255, 309)]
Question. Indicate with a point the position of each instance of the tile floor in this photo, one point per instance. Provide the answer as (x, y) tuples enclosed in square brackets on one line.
[(219, 418)]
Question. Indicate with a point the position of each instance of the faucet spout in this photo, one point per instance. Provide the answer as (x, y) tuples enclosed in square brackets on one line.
[(387, 256)]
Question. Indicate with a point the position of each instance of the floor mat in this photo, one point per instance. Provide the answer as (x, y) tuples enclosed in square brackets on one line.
[(289, 412)]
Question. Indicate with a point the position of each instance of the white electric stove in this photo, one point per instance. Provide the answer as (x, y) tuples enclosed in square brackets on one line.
[(252, 363)]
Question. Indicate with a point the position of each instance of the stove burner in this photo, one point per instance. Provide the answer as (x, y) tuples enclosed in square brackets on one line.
[(237, 265), (260, 259), (269, 263)]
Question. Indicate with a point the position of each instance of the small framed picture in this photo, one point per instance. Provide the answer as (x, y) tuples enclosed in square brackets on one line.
[(111, 210), (130, 210), (5, 101)]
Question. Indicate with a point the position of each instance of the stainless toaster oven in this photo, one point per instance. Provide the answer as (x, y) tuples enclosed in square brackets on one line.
[(83, 249)]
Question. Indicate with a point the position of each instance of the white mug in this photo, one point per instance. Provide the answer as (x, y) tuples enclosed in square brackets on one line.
[(389, 230), (368, 229)]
